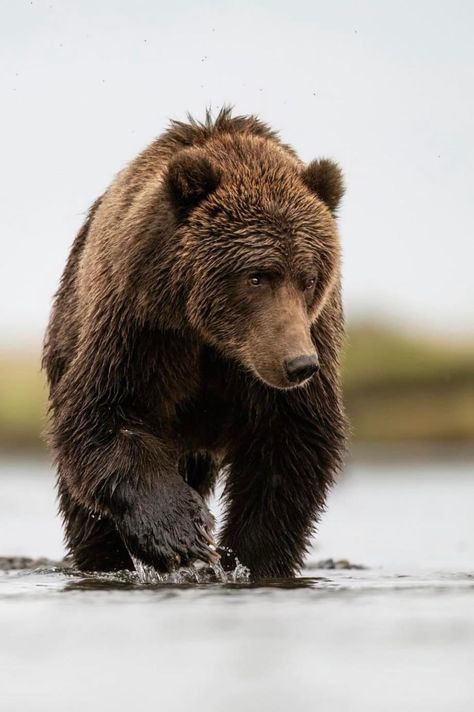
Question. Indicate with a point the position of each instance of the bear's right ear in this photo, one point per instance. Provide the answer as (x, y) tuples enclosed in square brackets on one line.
[(324, 178), (190, 178)]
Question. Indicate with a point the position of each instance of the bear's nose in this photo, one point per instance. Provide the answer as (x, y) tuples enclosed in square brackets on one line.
[(302, 367)]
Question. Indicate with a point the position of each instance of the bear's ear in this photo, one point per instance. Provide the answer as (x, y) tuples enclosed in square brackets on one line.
[(190, 178), (324, 177)]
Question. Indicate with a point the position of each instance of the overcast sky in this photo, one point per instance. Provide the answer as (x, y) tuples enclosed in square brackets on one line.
[(386, 88)]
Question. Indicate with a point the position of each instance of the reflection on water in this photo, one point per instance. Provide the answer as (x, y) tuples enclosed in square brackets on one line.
[(44, 582), (396, 635), (206, 582)]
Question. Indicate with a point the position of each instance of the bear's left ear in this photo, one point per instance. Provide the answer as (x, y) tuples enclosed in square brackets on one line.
[(190, 178), (324, 177)]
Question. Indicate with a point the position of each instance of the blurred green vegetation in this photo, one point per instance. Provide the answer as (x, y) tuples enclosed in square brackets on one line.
[(398, 388), (23, 402)]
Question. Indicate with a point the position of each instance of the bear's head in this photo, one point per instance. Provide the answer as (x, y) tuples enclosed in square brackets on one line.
[(258, 252)]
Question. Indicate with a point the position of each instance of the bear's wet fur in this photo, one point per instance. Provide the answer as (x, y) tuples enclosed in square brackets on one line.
[(209, 267)]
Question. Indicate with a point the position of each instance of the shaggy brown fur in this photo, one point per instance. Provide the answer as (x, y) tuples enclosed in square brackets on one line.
[(200, 292)]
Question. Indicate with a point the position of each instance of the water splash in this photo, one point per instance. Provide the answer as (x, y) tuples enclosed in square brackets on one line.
[(196, 573), (145, 573)]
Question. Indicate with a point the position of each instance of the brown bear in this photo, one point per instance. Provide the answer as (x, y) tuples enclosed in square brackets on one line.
[(197, 330)]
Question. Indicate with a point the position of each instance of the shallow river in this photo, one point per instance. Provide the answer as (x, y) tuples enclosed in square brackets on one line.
[(396, 636)]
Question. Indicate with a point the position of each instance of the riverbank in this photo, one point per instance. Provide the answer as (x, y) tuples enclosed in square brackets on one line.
[(400, 391)]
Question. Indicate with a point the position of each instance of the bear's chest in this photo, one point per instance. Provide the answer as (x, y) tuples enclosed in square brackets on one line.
[(204, 422)]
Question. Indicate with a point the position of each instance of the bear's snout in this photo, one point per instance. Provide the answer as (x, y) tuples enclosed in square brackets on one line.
[(301, 368)]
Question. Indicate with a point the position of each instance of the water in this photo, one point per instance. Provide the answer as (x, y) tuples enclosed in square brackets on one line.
[(396, 636)]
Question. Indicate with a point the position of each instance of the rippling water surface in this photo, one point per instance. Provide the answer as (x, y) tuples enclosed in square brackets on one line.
[(397, 635)]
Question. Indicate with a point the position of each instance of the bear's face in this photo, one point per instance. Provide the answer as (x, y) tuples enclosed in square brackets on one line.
[(259, 265)]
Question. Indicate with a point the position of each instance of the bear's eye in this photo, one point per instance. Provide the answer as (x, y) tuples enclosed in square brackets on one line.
[(256, 279), (309, 284)]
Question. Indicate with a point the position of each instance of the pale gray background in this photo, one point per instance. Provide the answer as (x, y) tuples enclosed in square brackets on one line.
[(387, 88)]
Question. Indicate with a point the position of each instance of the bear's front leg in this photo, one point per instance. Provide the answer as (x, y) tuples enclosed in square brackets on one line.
[(275, 490), (164, 523), (131, 477)]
